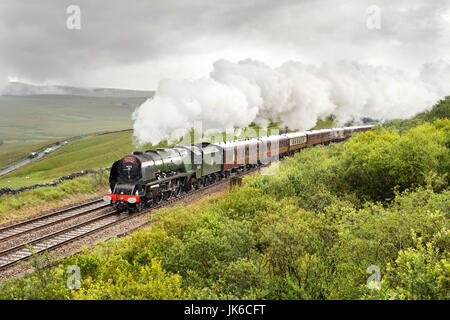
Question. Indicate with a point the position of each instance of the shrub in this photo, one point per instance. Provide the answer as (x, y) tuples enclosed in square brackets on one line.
[(421, 272)]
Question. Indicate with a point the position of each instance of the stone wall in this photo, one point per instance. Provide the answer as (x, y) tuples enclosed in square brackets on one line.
[(50, 184)]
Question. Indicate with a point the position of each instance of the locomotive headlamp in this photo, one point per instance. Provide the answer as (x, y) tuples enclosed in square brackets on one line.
[(131, 200)]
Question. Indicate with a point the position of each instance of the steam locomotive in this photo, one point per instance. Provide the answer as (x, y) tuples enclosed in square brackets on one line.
[(147, 178)]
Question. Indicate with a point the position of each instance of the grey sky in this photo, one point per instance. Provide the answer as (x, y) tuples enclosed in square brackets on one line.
[(133, 44)]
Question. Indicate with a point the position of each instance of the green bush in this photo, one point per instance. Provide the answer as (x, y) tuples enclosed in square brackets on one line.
[(421, 272), (374, 163)]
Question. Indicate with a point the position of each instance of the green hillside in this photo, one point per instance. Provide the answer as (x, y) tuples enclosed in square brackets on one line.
[(90, 152), (28, 120), (9, 156)]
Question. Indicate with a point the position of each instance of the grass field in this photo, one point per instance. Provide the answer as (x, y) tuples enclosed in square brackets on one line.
[(90, 152), (19, 151), (30, 120)]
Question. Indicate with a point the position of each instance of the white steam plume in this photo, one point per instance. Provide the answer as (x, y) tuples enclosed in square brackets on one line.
[(237, 94)]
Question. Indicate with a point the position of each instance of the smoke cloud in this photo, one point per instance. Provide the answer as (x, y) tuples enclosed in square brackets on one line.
[(297, 94)]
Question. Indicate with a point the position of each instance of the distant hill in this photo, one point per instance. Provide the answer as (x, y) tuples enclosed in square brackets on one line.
[(26, 89), (31, 119)]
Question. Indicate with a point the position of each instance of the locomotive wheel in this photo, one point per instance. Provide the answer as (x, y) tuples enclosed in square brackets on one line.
[(177, 192), (168, 195), (194, 184), (139, 207), (157, 199)]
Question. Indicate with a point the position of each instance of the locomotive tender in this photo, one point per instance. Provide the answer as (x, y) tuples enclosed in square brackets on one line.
[(147, 178)]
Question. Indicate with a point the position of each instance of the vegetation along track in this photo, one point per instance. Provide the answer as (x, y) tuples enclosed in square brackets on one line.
[(13, 255)]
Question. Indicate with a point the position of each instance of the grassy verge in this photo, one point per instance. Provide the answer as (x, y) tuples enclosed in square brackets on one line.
[(33, 201)]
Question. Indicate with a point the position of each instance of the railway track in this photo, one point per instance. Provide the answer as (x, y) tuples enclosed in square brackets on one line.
[(21, 228), (54, 240), (13, 255)]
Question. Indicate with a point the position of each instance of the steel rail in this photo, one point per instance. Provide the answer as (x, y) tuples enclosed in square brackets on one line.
[(17, 229), (56, 239)]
